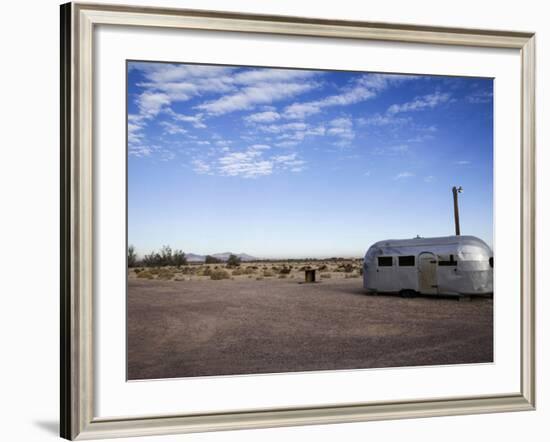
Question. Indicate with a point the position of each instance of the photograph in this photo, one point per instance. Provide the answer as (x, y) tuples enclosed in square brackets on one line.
[(284, 220)]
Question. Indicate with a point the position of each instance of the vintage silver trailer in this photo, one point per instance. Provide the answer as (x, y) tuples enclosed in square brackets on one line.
[(450, 265)]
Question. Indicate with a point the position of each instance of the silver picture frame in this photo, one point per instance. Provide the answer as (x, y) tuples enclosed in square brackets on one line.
[(77, 357)]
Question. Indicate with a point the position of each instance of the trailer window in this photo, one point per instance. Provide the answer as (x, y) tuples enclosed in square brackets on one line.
[(491, 261), (406, 261), (385, 261), (451, 262)]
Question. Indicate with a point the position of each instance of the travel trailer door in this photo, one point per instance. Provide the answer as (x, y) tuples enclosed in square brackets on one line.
[(427, 273)]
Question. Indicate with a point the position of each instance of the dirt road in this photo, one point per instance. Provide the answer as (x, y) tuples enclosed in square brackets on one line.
[(204, 328)]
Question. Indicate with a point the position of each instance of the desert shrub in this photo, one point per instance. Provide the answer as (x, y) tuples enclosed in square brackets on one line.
[(345, 267), (361, 270), (304, 268), (352, 275), (219, 274), (282, 275), (243, 271), (137, 270), (326, 275), (151, 260), (132, 257), (322, 268), (205, 271), (146, 274), (259, 278), (179, 259), (166, 274), (166, 257), (268, 273), (211, 260), (285, 270), (233, 261)]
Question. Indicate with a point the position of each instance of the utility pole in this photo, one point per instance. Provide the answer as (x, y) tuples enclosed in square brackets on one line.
[(456, 191)]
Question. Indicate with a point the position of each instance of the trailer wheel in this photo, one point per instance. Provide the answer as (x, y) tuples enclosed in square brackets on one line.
[(407, 293)]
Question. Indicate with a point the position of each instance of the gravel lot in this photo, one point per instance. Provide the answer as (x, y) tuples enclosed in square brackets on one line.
[(205, 328)]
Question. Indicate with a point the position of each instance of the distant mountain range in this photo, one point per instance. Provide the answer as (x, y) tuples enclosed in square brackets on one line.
[(193, 257)]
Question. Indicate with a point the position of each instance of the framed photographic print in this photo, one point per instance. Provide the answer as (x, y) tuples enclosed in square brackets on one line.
[(272, 221)]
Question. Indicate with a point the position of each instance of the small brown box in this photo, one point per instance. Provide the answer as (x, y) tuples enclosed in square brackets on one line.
[(310, 275)]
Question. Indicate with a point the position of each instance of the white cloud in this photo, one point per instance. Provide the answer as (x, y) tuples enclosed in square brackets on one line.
[(164, 84), (272, 75), (135, 128), (250, 96), (183, 82), (366, 87), (201, 167), (289, 161), (281, 128), (140, 151), (171, 128), (228, 89), (151, 103), (167, 155), (246, 164), (342, 128), (143, 149), (260, 147), (174, 91), (303, 110), (167, 72), (479, 97), (429, 179), (263, 117), (420, 103), (382, 120), (315, 131), (283, 158), (287, 143), (137, 144), (290, 134), (462, 162), (194, 120), (403, 175), (249, 163)]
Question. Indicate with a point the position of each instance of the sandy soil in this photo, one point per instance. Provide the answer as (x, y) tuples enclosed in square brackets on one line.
[(202, 327)]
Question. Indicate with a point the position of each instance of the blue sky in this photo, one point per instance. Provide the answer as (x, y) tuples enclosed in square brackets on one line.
[(299, 163)]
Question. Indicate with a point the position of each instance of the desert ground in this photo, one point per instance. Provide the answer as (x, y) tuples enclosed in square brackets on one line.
[(206, 320)]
